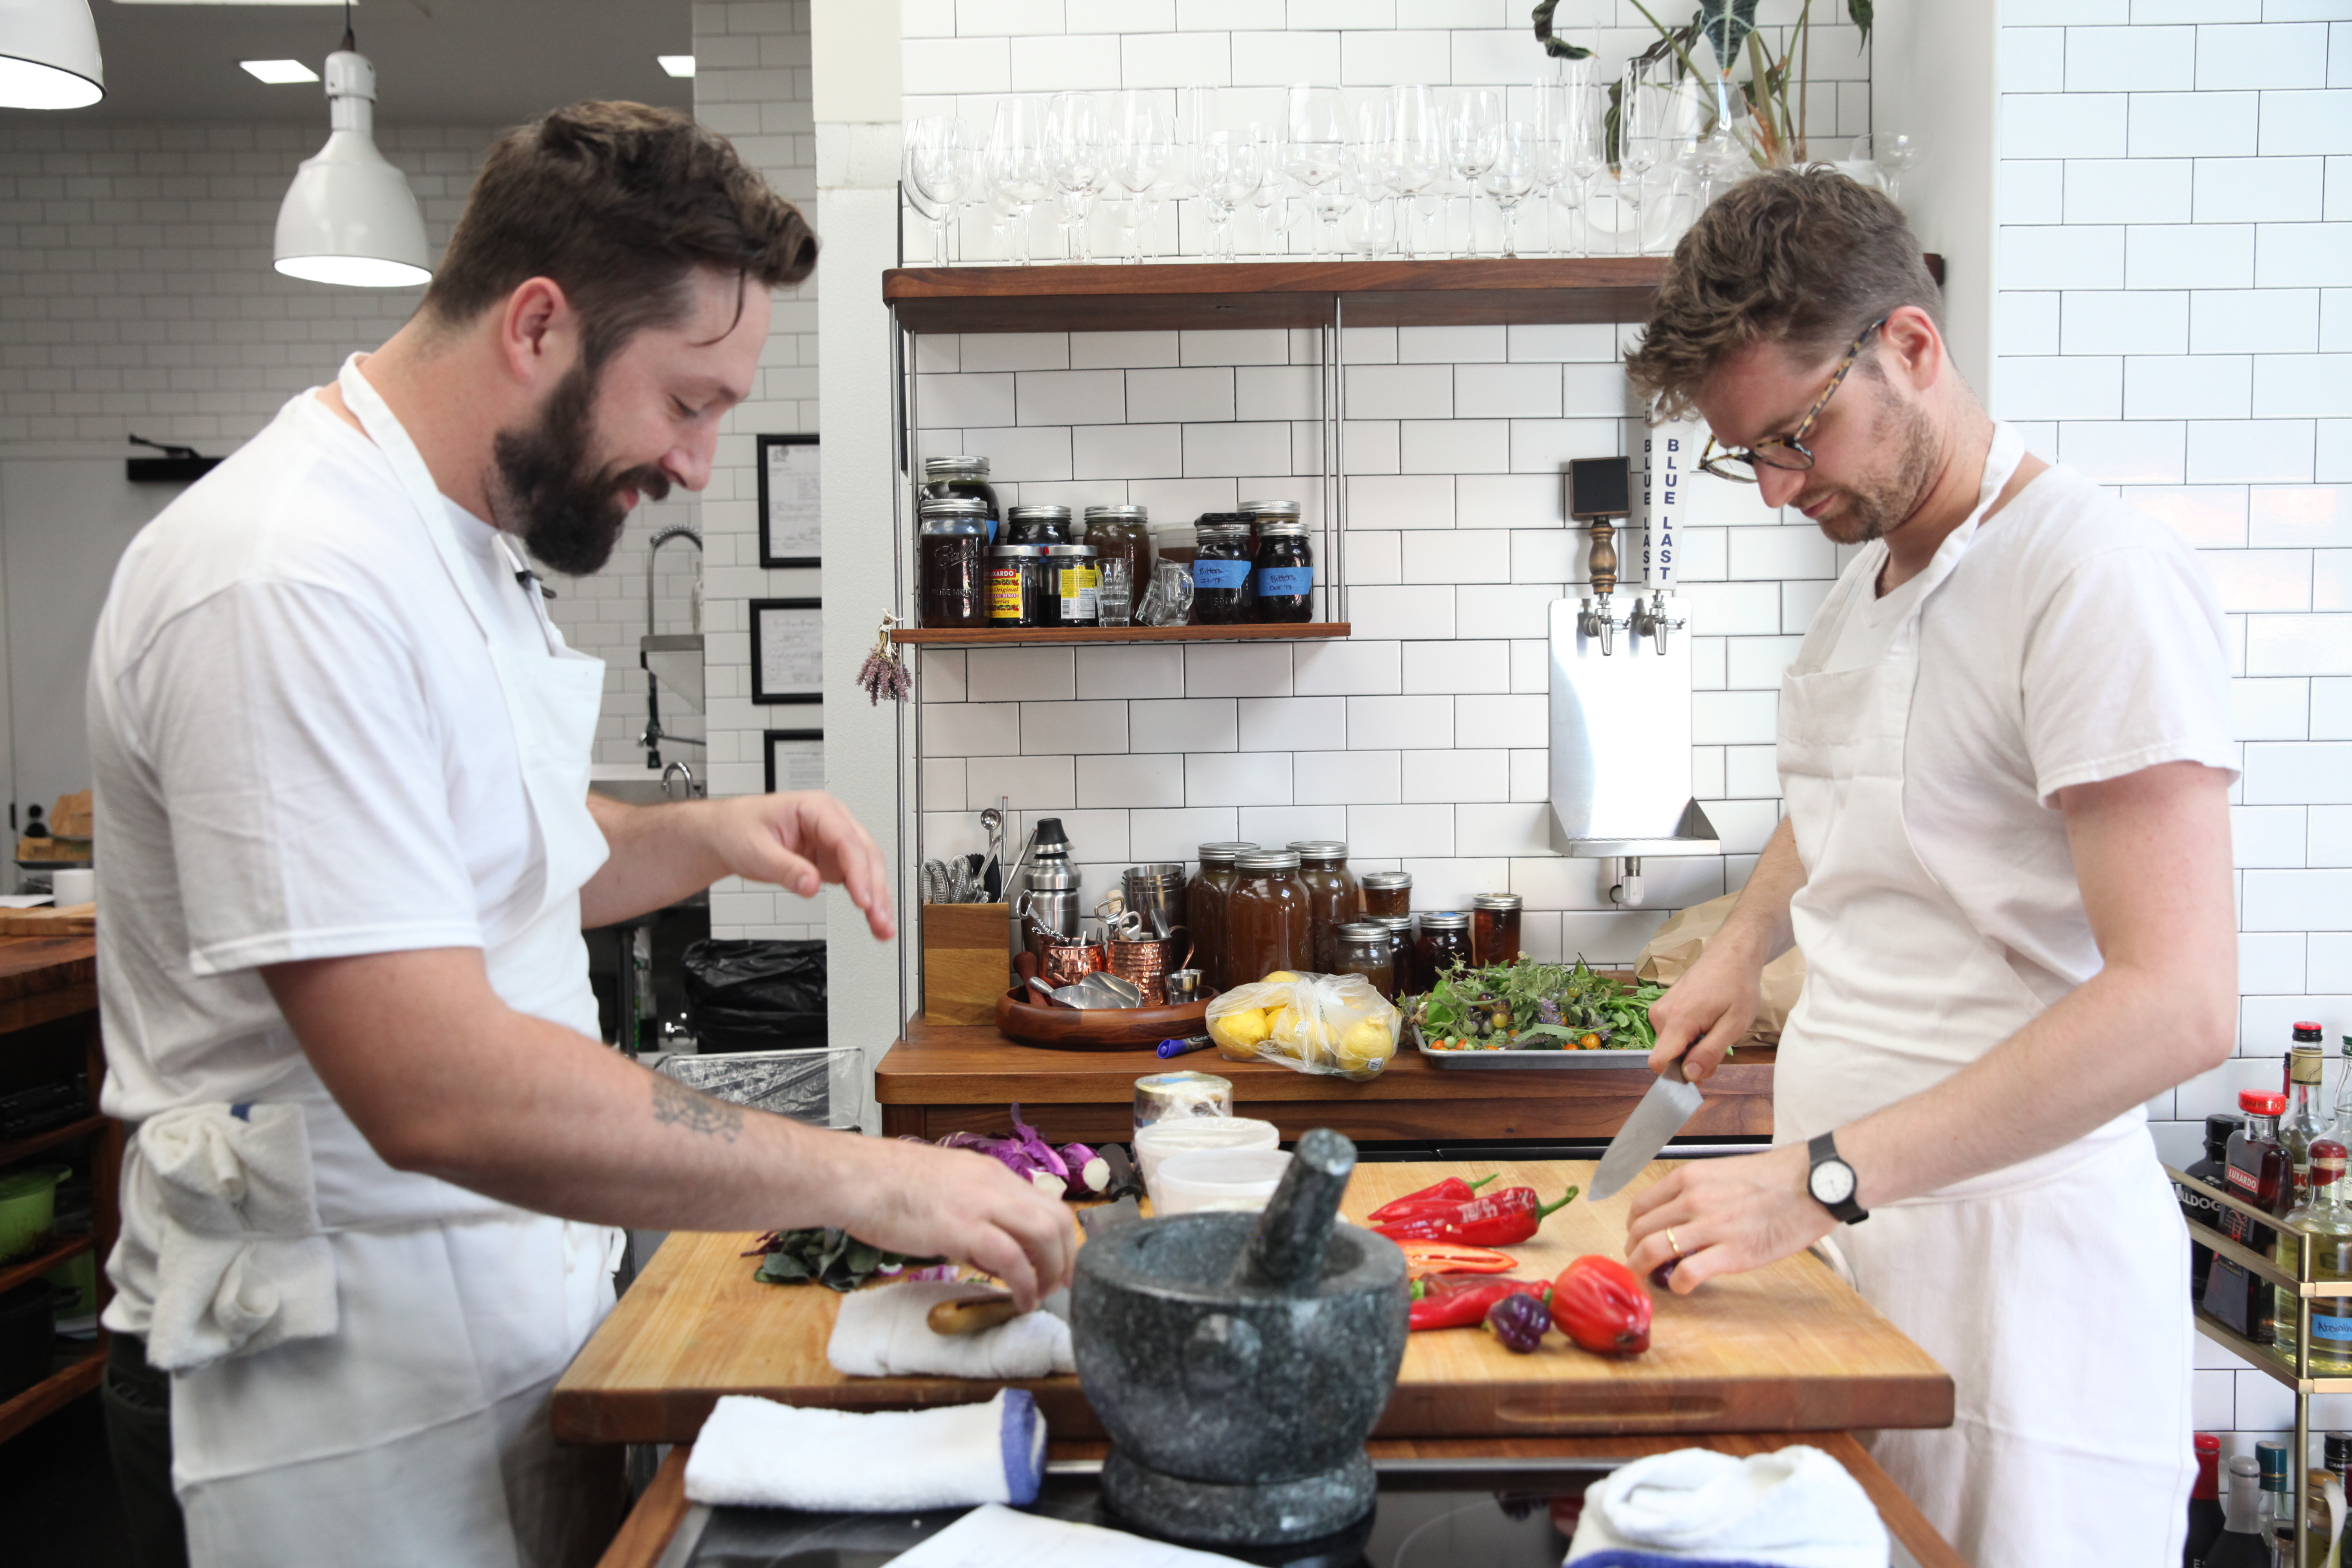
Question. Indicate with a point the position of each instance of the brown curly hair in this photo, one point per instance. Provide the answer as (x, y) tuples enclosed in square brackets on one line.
[(619, 204), (1805, 257)]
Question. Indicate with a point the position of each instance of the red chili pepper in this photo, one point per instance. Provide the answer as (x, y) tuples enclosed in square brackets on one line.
[(1498, 1219), (1450, 1191), (1465, 1305), (1599, 1304), (1423, 1258)]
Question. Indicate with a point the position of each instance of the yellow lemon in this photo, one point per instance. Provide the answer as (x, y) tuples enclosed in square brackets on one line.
[(1240, 1030), (1366, 1044), (1279, 977)]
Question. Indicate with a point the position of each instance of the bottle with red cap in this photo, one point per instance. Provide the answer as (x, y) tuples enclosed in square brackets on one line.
[(2257, 1171), (2204, 1501), (2325, 1221)]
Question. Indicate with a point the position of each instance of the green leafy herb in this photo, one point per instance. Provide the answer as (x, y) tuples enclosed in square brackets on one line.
[(1532, 1006), (834, 1259)]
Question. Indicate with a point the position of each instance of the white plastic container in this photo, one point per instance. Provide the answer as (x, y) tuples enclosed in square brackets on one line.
[(1162, 1138), (1199, 1179)]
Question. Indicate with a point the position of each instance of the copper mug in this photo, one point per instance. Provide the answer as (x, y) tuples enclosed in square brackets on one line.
[(1066, 964), (1147, 960)]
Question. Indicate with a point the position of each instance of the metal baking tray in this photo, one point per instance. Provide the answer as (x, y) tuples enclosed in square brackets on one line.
[(1522, 1061)]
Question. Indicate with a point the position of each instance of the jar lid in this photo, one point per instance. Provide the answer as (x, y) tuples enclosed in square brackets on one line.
[(1119, 514), (955, 468), (1222, 853), (1396, 922), (1497, 901), (1386, 879), (1445, 919), (1267, 860), (1018, 552), (1220, 519), (1079, 552), (1321, 849), (952, 506), (1224, 532), (1267, 509), (1365, 930), (1037, 514), (1282, 530)]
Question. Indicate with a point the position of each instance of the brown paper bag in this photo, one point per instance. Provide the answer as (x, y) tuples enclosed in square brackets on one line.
[(1669, 954)]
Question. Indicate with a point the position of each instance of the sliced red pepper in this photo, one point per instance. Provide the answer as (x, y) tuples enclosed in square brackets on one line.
[(1423, 1259), (1498, 1219), (1452, 1190)]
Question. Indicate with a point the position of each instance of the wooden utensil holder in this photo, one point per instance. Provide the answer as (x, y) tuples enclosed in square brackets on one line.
[(967, 959)]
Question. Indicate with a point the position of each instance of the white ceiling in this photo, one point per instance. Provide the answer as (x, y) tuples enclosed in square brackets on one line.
[(438, 62)]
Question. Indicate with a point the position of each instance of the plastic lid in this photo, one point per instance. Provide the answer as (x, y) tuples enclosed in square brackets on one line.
[(1386, 879), (955, 468), (1497, 901), (1445, 919), (2219, 1125), (1267, 860), (2308, 1031), (2208, 1443), (2326, 1159), (1050, 837), (2257, 1102), (30, 1182)]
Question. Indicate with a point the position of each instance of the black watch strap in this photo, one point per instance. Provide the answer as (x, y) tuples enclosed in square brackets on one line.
[(1833, 1189)]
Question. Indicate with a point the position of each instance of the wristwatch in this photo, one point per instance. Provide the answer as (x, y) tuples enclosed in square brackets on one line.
[(1831, 1181)]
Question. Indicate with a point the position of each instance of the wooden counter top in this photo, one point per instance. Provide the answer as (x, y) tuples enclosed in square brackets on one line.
[(942, 1078), (46, 977)]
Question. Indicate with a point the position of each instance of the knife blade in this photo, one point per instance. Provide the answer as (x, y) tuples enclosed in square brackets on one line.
[(1670, 1102)]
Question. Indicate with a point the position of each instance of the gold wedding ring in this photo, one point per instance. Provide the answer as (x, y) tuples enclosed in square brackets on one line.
[(1672, 1243)]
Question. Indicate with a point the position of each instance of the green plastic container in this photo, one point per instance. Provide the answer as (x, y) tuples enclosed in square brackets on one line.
[(28, 1206)]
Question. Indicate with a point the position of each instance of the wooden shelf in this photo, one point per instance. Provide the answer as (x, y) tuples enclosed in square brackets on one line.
[(942, 636), (1198, 295), (25, 1148), (33, 1267), (60, 1388)]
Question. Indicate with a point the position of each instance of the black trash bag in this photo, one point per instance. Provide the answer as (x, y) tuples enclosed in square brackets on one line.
[(755, 995)]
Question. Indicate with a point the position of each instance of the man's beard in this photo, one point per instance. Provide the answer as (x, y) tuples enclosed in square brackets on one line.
[(1877, 501), (550, 490)]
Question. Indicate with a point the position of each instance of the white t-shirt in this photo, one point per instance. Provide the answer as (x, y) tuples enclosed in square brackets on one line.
[(300, 750), (2076, 640)]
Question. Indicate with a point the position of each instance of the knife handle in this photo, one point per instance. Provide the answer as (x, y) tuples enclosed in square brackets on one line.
[(971, 1314)]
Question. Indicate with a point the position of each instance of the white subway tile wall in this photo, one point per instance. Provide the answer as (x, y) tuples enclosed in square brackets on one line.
[(2175, 199)]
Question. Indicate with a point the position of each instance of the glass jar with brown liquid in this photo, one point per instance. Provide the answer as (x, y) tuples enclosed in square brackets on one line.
[(966, 478), (1204, 908), (1495, 929), (1403, 959), (1266, 918), (1123, 532), (1443, 943), (951, 562), (1362, 947), (1333, 899), (1387, 892)]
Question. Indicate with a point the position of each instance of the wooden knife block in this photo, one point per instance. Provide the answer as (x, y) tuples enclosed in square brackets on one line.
[(967, 962)]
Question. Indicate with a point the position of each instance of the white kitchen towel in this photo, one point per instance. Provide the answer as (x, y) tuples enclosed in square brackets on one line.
[(883, 1331), (242, 1266), (1794, 1509), (756, 1452)]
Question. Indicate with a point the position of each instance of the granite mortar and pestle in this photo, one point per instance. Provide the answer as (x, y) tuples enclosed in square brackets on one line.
[(1240, 1361)]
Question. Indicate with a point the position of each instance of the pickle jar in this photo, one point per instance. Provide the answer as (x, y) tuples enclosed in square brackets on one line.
[(1361, 947), (1070, 582), (951, 562), (965, 478), (1266, 926), (1388, 892), (1333, 899), (1443, 943), (1221, 575), (1403, 959), (1016, 585), (1258, 513), (1038, 525), (1123, 531), (1285, 575), (1495, 929), (1204, 908)]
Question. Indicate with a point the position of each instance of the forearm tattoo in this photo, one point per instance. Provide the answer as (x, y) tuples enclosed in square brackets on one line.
[(673, 1101)]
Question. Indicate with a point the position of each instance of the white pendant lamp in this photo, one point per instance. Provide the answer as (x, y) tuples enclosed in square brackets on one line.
[(350, 217), (48, 55)]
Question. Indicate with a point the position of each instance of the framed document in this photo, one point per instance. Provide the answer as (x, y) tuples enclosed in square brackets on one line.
[(795, 759), (788, 534), (787, 651)]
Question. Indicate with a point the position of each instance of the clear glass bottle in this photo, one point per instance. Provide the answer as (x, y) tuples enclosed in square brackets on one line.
[(2307, 1117), (1333, 896), (1204, 907), (2327, 1215)]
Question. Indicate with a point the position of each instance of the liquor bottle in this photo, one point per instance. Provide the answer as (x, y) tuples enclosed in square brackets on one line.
[(2327, 1219), (2241, 1543), (2344, 1089), (2278, 1496), (2257, 1169), (2197, 1207), (2306, 1118), (2337, 1453), (2204, 1502)]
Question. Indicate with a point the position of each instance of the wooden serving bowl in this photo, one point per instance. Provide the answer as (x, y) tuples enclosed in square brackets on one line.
[(1096, 1028)]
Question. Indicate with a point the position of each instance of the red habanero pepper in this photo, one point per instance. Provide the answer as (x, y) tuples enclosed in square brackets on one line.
[(1447, 1192), (1497, 1219), (1598, 1303), (1459, 1301)]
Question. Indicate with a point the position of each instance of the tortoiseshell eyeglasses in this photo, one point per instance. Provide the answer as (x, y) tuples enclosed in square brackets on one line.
[(1786, 452)]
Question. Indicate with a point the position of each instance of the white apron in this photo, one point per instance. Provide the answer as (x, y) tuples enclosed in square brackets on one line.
[(417, 1431), (2054, 1292)]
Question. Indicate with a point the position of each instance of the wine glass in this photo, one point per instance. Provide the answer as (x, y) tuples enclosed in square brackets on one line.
[(1894, 152), (1018, 166), (1314, 141), (1509, 178), (1141, 153), (1272, 202), (1584, 137), (1640, 120), (1227, 168), (1417, 151), (942, 170), (1073, 153), (1474, 137)]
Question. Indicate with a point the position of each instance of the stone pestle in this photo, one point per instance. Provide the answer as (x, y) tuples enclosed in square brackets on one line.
[(1285, 1252)]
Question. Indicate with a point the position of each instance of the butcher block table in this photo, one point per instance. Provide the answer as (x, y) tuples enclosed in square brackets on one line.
[(944, 1077)]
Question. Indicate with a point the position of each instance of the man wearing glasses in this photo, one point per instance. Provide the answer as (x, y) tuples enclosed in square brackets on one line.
[(2004, 746)]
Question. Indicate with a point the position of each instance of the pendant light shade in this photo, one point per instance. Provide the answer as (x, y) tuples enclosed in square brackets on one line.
[(48, 55), (350, 217)]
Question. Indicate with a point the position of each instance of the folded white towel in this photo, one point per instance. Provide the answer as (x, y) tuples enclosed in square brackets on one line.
[(883, 1332), (756, 1452), (1795, 1509), (242, 1266)]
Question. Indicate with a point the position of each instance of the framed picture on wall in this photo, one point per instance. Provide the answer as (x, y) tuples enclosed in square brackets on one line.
[(788, 534), (795, 759), (787, 651)]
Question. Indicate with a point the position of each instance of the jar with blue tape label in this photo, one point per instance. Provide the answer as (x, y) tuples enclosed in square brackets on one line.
[(1285, 574), (1222, 594)]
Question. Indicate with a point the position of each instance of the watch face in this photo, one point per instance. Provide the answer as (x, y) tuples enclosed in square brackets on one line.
[(1831, 1181)]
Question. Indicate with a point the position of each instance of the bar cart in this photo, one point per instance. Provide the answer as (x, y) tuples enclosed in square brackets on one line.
[(2266, 1358)]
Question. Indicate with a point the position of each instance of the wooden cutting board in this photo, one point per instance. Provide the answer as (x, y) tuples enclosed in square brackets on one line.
[(1785, 1348), (74, 919)]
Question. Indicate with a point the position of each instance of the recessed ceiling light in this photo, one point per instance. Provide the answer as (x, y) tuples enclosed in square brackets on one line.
[(677, 65), (279, 71)]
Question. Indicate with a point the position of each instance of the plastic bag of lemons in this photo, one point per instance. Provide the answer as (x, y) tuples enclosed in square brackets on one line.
[(1334, 1024)]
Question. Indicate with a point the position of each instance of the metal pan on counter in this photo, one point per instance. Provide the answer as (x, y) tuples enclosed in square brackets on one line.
[(1521, 1060)]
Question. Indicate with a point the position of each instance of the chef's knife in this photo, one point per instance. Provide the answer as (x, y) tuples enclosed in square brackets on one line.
[(1670, 1102)]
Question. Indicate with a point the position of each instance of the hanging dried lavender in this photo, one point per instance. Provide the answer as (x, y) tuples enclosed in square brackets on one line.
[(884, 673)]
